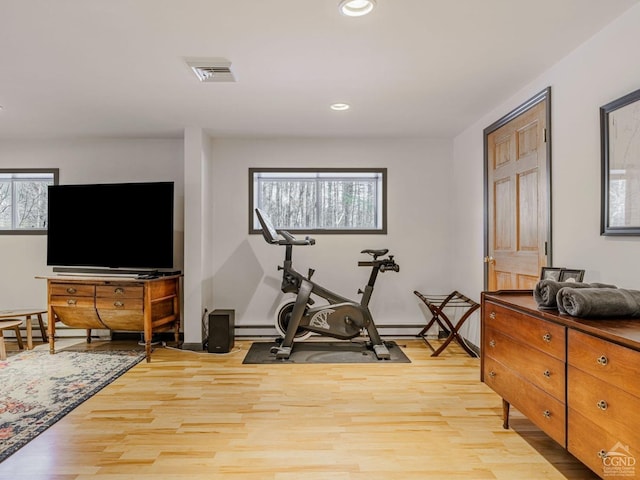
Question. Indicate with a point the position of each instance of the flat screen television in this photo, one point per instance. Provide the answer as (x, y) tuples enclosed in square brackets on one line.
[(112, 225)]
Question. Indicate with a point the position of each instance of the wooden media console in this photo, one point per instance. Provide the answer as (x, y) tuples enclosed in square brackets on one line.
[(125, 304)]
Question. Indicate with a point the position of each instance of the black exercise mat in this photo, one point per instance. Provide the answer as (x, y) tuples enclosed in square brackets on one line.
[(324, 352)]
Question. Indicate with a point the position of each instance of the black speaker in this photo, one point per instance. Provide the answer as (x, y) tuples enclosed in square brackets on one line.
[(221, 331)]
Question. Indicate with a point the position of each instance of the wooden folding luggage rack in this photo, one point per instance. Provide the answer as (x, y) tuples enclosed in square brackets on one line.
[(436, 305)]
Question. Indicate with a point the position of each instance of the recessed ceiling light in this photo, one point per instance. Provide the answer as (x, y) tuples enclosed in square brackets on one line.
[(340, 107), (356, 8)]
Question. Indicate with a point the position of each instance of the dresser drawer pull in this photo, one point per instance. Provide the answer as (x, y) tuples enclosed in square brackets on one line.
[(492, 374), (546, 337), (602, 454), (118, 304), (71, 290), (547, 373), (119, 291), (546, 414), (492, 343), (492, 315), (602, 405), (71, 301), (603, 360)]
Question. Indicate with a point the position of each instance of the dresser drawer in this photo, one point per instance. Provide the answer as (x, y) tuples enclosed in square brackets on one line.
[(119, 303), (119, 291), (607, 453), (75, 289), (545, 411), (609, 362), (539, 368), (71, 301), (541, 334), (604, 404)]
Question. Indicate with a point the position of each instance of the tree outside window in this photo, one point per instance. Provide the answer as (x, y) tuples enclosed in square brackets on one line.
[(23, 200), (320, 200)]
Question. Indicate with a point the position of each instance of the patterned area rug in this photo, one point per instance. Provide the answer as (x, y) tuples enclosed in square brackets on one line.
[(38, 389)]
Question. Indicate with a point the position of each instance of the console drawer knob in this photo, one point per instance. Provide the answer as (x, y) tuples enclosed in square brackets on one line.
[(603, 360)]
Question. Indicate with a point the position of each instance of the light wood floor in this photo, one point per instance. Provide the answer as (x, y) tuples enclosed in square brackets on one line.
[(195, 416)]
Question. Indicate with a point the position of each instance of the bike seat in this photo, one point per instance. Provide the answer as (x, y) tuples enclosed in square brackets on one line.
[(376, 253)]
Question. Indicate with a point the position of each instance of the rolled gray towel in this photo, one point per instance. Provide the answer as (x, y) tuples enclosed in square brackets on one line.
[(546, 291), (599, 302)]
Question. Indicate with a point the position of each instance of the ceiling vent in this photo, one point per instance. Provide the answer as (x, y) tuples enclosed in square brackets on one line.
[(212, 69)]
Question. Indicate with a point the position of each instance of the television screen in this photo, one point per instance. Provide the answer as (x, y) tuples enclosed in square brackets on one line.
[(119, 225)]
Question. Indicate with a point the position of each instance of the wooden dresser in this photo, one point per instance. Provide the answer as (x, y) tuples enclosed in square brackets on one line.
[(574, 378), (126, 304)]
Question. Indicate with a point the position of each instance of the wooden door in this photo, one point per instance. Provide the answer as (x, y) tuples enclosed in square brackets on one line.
[(517, 199)]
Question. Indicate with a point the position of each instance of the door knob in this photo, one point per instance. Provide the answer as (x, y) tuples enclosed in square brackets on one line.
[(489, 259)]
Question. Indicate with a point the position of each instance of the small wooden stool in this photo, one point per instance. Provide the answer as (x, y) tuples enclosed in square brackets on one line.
[(14, 325)]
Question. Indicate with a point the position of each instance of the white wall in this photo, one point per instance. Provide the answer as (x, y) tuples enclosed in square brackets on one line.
[(601, 70), (224, 266), (23, 257), (419, 234), (198, 243)]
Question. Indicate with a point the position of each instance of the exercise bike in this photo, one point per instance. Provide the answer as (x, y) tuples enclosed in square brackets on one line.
[(341, 318)]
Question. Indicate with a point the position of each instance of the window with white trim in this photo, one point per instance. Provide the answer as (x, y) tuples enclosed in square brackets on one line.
[(319, 200), (23, 200)]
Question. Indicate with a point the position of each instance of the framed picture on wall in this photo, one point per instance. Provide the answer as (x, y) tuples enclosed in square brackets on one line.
[(620, 152)]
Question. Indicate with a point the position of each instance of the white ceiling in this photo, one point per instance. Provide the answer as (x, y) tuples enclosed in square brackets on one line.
[(76, 68)]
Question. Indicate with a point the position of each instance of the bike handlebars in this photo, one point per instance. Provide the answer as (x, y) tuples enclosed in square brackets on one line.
[(270, 233), (291, 240)]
